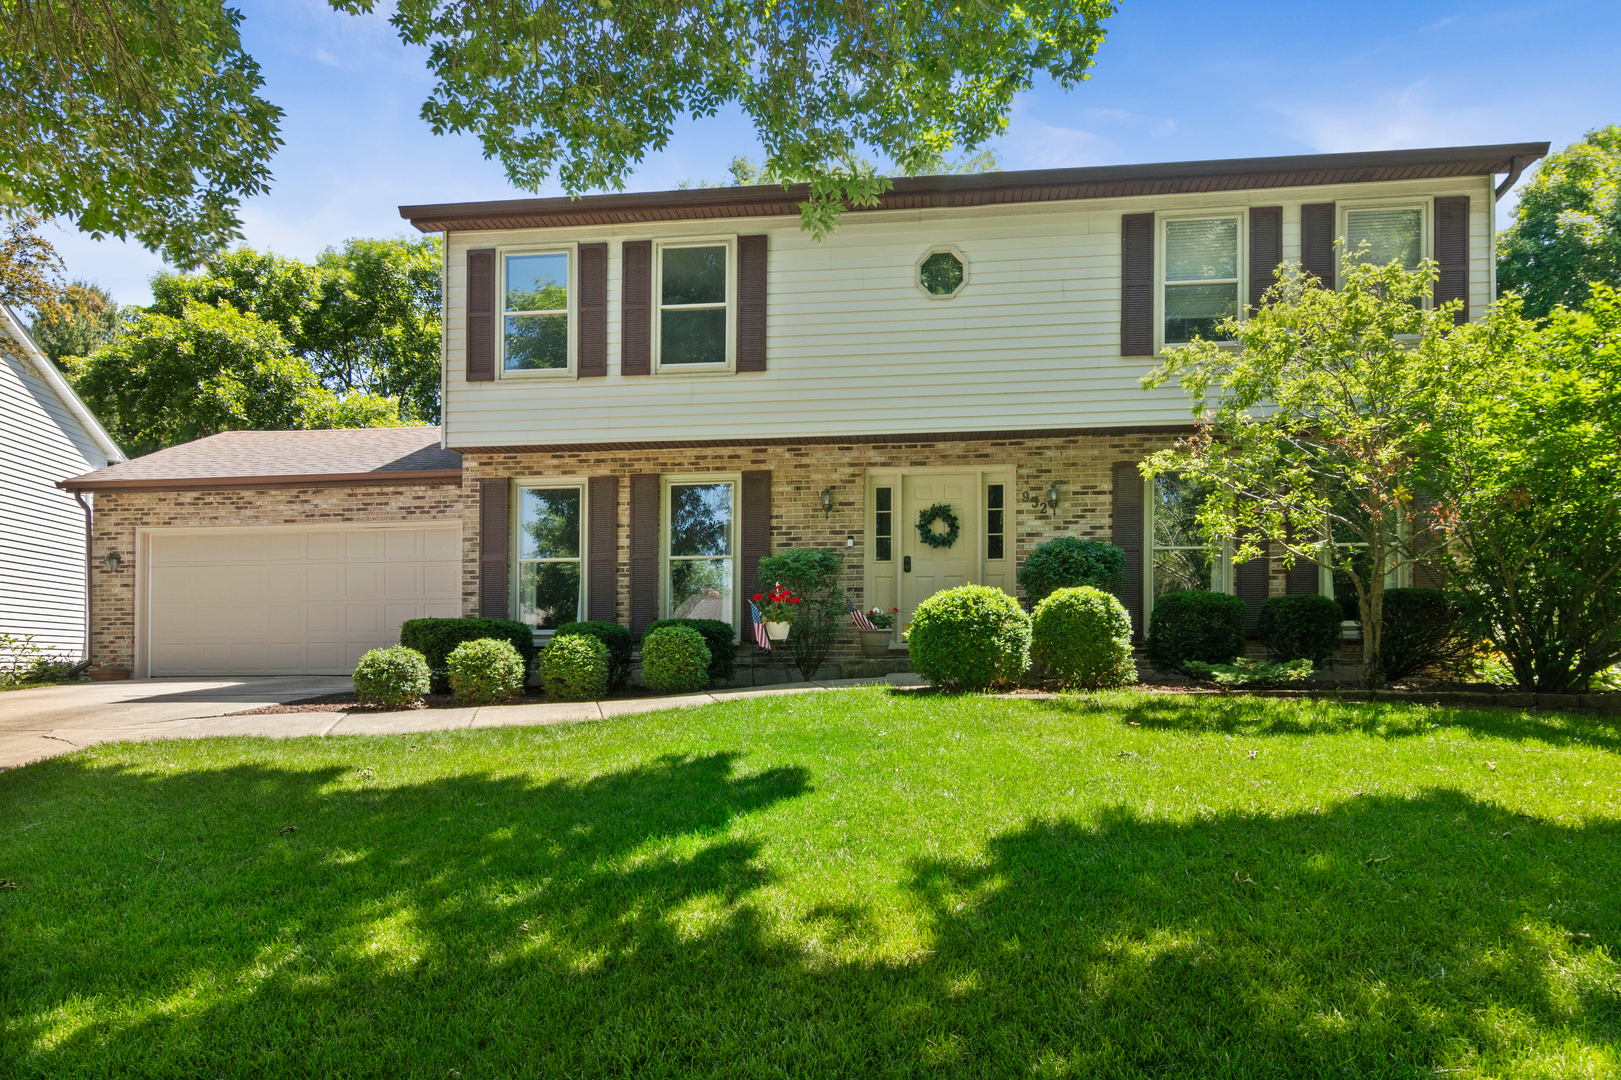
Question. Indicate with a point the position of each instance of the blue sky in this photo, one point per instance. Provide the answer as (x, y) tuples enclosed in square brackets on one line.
[(1174, 81)]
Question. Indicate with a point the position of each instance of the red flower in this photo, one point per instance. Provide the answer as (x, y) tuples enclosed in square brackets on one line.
[(756, 597)]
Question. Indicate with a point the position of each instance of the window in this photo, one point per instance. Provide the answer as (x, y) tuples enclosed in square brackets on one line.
[(701, 568), (1182, 561), (995, 520), (694, 293), (549, 576), (1393, 234), (535, 312), (883, 530), (1201, 277), (941, 273)]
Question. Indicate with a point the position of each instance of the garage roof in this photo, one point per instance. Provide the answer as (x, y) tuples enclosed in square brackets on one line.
[(234, 459)]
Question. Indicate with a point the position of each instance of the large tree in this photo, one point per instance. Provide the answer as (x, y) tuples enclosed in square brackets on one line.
[(1309, 433), (1566, 232), (364, 316), (85, 317)]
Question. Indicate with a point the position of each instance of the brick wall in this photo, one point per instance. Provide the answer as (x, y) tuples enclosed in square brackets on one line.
[(119, 514)]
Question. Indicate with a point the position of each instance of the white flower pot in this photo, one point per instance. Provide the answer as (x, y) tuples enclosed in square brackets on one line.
[(776, 631)]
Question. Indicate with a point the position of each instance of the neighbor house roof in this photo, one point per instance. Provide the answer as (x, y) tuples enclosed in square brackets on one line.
[(986, 189), (41, 365), (234, 459)]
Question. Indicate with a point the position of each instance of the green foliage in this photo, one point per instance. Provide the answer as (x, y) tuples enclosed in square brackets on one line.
[(719, 637), (364, 316), (485, 671), (1203, 626), (820, 82), (134, 120), (1426, 633), (1566, 232), (815, 576), (1318, 419), (675, 660), (1252, 674), (164, 380), (392, 678), (1527, 452), (24, 662), (435, 639), (1068, 563), (970, 638), (1305, 626), (1082, 636), (618, 641), (575, 668), (84, 319)]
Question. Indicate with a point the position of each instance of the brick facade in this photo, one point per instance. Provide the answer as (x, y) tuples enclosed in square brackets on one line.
[(118, 514)]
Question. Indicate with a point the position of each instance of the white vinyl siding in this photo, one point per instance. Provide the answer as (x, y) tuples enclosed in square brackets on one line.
[(855, 347), (42, 546)]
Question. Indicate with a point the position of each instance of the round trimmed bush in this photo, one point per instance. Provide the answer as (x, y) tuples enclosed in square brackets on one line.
[(485, 670), (393, 677), (576, 668), (618, 641), (675, 660), (1082, 637), (969, 638), (1066, 562), (1301, 627), (1195, 625)]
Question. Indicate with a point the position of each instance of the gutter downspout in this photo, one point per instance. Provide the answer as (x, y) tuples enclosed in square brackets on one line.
[(1516, 166), (88, 571), (444, 340)]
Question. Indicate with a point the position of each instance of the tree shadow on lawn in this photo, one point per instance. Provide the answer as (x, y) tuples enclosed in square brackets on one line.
[(1395, 720), (619, 925)]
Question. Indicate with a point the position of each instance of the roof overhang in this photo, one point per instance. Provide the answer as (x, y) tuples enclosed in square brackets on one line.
[(227, 483), (987, 189)]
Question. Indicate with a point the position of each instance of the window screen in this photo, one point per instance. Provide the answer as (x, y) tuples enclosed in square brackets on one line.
[(1201, 277)]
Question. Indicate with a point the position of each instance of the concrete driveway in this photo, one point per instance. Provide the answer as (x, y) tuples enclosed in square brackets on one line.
[(51, 720)]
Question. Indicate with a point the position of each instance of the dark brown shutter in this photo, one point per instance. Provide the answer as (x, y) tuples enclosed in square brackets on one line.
[(636, 312), (481, 315), (1427, 573), (1266, 249), (1128, 537), (751, 303), (591, 311), (756, 526), (1452, 253), (644, 550), (602, 551), (1251, 584), (1304, 577), (494, 577), (1317, 241), (1137, 285)]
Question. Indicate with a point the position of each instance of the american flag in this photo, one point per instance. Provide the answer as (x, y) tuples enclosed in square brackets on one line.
[(859, 617), (760, 637)]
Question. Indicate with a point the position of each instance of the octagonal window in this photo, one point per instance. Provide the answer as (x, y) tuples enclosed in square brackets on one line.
[(941, 273)]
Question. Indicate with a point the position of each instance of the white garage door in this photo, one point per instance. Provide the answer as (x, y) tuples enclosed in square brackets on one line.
[(290, 601)]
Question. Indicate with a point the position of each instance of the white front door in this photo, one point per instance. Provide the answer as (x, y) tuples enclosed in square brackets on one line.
[(931, 569)]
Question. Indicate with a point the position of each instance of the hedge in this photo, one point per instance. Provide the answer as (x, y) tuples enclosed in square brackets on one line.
[(1195, 625), (435, 638), (675, 660), (1069, 563), (719, 636), (617, 639), (1301, 627)]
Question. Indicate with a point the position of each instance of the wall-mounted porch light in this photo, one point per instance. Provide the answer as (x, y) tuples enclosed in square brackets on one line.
[(111, 562), (827, 501)]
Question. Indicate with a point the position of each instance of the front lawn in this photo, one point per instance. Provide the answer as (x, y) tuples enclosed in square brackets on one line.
[(859, 883)]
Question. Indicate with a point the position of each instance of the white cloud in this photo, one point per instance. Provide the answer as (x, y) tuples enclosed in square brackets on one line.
[(1395, 120)]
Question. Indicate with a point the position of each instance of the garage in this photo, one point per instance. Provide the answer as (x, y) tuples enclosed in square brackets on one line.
[(288, 600)]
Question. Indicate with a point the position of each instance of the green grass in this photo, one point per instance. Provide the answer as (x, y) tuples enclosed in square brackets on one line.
[(859, 883)]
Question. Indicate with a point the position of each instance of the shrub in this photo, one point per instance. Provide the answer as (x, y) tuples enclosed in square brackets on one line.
[(675, 660), (1204, 626), (576, 667), (1425, 633), (392, 678), (814, 575), (1255, 674), (436, 638), (1306, 626), (969, 638), (616, 638), (719, 636), (23, 662), (1082, 637), (485, 670), (1068, 563)]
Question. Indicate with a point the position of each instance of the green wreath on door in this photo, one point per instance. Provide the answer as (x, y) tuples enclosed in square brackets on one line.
[(925, 526)]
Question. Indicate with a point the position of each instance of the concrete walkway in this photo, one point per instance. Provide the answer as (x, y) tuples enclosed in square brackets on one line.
[(53, 720)]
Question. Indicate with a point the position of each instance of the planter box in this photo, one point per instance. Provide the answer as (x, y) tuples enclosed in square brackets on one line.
[(109, 675)]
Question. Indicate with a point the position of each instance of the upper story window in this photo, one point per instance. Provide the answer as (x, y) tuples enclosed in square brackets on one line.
[(1392, 233), (1201, 277), (695, 297), (942, 273), (549, 578), (535, 311)]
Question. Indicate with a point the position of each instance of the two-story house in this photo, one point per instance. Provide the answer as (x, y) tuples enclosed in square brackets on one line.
[(649, 392)]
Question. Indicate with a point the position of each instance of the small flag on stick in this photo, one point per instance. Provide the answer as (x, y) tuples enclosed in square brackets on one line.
[(761, 638), (859, 617)]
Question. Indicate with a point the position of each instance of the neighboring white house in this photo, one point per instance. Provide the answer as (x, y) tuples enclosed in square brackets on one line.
[(46, 435)]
